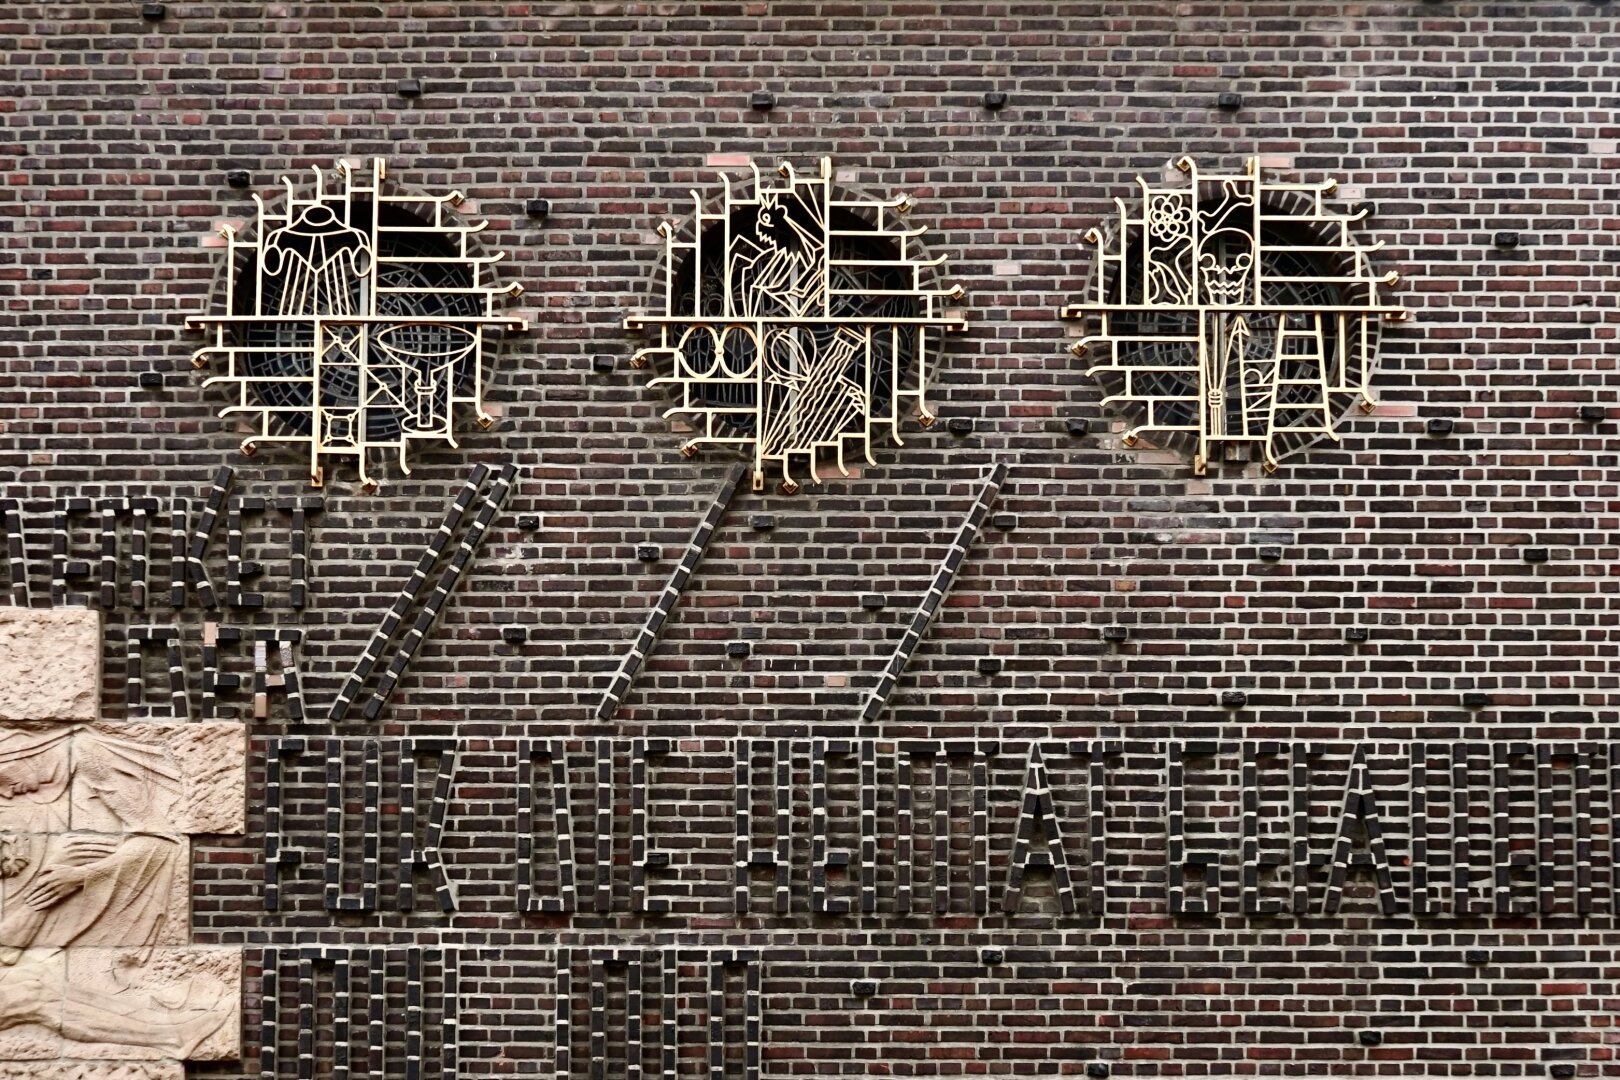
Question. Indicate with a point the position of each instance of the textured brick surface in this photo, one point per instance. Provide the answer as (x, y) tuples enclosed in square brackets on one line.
[(1452, 121)]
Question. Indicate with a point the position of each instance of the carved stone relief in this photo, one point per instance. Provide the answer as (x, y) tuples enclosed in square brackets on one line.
[(96, 827), (92, 1070), (50, 663), (120, 1004)]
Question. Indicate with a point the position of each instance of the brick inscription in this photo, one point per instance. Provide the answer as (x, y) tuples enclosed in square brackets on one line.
[(1080, 766)]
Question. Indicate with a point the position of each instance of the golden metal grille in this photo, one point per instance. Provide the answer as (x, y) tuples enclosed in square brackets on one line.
[(355, 319), (796, 321), (1231, 315)]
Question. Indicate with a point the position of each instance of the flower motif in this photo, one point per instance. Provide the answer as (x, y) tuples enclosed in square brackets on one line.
[(1170, 218)]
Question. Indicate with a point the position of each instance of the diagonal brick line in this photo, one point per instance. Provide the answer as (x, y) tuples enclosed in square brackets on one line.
[(494, 499), (944, 577), (15, 558), (196, 575), (630, 666), (407, 595)]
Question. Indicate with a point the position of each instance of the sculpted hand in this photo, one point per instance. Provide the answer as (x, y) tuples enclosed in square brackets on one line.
[(83, 849), (53, 886)]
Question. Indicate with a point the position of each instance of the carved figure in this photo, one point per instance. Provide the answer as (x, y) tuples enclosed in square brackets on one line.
[(94, 889)]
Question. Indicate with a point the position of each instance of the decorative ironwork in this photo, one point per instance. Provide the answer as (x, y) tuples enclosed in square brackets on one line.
[(355, 319), (795, 321), (1233, 315)]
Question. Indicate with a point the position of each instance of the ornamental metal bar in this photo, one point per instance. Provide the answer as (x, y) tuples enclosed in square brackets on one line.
[(345, 331), (1231, 311), (772, 329)]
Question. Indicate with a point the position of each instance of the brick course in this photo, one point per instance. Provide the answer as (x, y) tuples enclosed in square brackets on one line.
[(1453, 122)]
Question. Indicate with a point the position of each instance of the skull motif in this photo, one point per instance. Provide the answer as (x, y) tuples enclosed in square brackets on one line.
[(1225, 261)]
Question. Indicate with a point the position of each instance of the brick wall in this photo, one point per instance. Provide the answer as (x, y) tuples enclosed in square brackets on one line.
[(1452, 121)]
